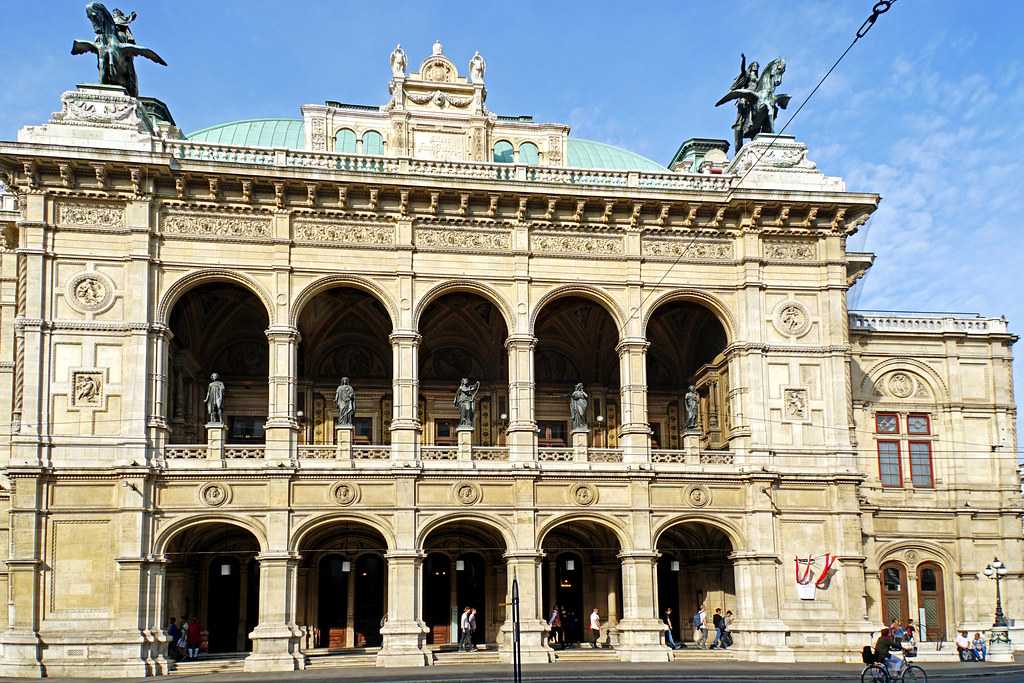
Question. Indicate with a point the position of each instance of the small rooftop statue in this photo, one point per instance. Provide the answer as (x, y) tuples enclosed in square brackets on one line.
[(757, 105), (114, 47)]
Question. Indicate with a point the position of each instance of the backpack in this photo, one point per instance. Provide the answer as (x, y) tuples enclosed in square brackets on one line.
[(698, 619), (867, 655)]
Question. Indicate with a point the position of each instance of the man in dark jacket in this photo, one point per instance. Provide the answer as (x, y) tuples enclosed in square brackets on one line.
[(718, 621)]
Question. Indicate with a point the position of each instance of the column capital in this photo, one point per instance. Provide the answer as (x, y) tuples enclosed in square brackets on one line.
[(282, 333), (527, 340), (277, 556), (639, 556), (524, 556), (408, 336), (405, 555), (627, 344)]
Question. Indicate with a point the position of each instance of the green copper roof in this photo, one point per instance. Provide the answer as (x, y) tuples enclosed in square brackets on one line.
[(286, 133), (590, 154)]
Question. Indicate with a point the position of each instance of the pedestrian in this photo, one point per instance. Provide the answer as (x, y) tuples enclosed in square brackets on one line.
[(595, 626), (718, 622), (465, 643), (173, 634), (726, 626), (963, 648), (570, 627), (555, 625), (670, 639), (194, 638), (978, 646), (472, 627), (700, 627)]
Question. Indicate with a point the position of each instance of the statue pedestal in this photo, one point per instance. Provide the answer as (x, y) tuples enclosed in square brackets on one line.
[(465, 443), (216, 434), (1000, 649), (343, 442), (691, 445), (579, 444)]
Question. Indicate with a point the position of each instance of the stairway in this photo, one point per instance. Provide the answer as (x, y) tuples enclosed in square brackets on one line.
[(481, 655), (692, 653), (341, 659), (586, 654), (930, 652), (210, 664)]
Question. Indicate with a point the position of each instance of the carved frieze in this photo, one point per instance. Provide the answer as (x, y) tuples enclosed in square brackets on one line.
[(90, 214), (688, 249), (312, 230), (577, 244), (217, 225), (474, 240), (790, 250)]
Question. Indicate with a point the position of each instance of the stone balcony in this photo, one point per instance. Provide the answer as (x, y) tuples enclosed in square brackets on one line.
[(911, 322)]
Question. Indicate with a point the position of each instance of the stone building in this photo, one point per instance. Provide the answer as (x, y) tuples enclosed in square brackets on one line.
[(408, 246)]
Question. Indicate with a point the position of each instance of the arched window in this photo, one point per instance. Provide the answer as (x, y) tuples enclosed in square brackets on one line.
[(528, 153), (503, 153), (373, 143), (345, 141)]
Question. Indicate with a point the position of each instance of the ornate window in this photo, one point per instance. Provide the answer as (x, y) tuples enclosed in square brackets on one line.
[(503, 152), (345, 141), (890, 471), (921, 464), (918, 424), (528, 153), (887, 423), (373, 143)]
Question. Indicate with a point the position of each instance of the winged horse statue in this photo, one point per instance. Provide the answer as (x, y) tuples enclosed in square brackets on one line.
[(757, 105), (114, 47)]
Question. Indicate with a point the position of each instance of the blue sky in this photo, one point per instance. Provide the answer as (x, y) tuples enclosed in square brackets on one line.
[(923, 111)]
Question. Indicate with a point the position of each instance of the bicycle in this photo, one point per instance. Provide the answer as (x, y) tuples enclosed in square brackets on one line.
[(874, 672)]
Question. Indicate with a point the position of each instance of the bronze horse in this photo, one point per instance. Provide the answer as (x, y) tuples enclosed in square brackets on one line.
[(114, 47), (757, 103)]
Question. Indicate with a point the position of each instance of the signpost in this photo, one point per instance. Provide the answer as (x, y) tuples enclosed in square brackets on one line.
[(517, 661)]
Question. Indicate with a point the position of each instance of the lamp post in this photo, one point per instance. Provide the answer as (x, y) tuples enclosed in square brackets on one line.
[(996, 570)]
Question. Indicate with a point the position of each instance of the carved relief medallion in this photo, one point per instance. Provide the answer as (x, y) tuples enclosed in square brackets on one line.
[(583, 494), (794, 404), (90, 292), (697, 496), (214, 494), (345, 493), (466, 492), (911, 556), (901, 385), (791, 319), (87, 389)]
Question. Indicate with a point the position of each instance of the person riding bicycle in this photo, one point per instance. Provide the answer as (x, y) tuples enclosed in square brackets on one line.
[(884, 647)]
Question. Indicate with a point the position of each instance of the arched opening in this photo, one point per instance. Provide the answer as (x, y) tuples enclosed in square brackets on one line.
[(582, 572), (344, 334), (463, 337), (373, 143), (895, 603), (218, 328), (528, 153), (694, 570), (345, 141), (213, 576), (576, 341), (931, 598), (342, 586), (687, 348), (464, 568), (504, 153)]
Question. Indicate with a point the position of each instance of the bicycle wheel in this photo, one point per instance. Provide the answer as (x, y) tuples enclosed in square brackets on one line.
[(914, 674), (874, 673)]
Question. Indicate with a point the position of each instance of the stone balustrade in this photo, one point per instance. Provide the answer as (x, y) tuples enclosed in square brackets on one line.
[(925, 323), (471, 170)]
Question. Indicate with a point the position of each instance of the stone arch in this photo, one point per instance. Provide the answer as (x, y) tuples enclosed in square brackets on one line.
[(313, 524), (928, 550), (924, 372), (702, 298), (168, 534), (207, 275), (731, 530), (493, 522), (320, 285), (595, 294), (607, 521), (471, 286)]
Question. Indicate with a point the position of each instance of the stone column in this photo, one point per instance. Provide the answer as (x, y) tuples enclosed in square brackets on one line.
[(350, 609), (282, 426), (759, 630), (640, 630), (635, 432), (404, 633), (527, 568), (276, 640), (243, 602), (522, 424), (613, 609), (405, 424), (156, 421)]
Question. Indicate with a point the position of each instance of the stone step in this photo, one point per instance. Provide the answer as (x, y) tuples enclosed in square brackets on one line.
[(457, 657), (695, 654), (209, 665), (340, 661), (586, 654), (930, 652)]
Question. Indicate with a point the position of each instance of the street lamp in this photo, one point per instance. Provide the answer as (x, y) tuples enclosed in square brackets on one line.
[(996, 571)]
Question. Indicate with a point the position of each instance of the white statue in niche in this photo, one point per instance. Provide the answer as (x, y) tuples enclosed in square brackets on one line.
[(477, 66), (398, 62), (437, 48)]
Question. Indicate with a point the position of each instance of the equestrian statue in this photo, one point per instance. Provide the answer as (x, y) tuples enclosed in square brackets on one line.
[(757, 105), (114, 47)]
